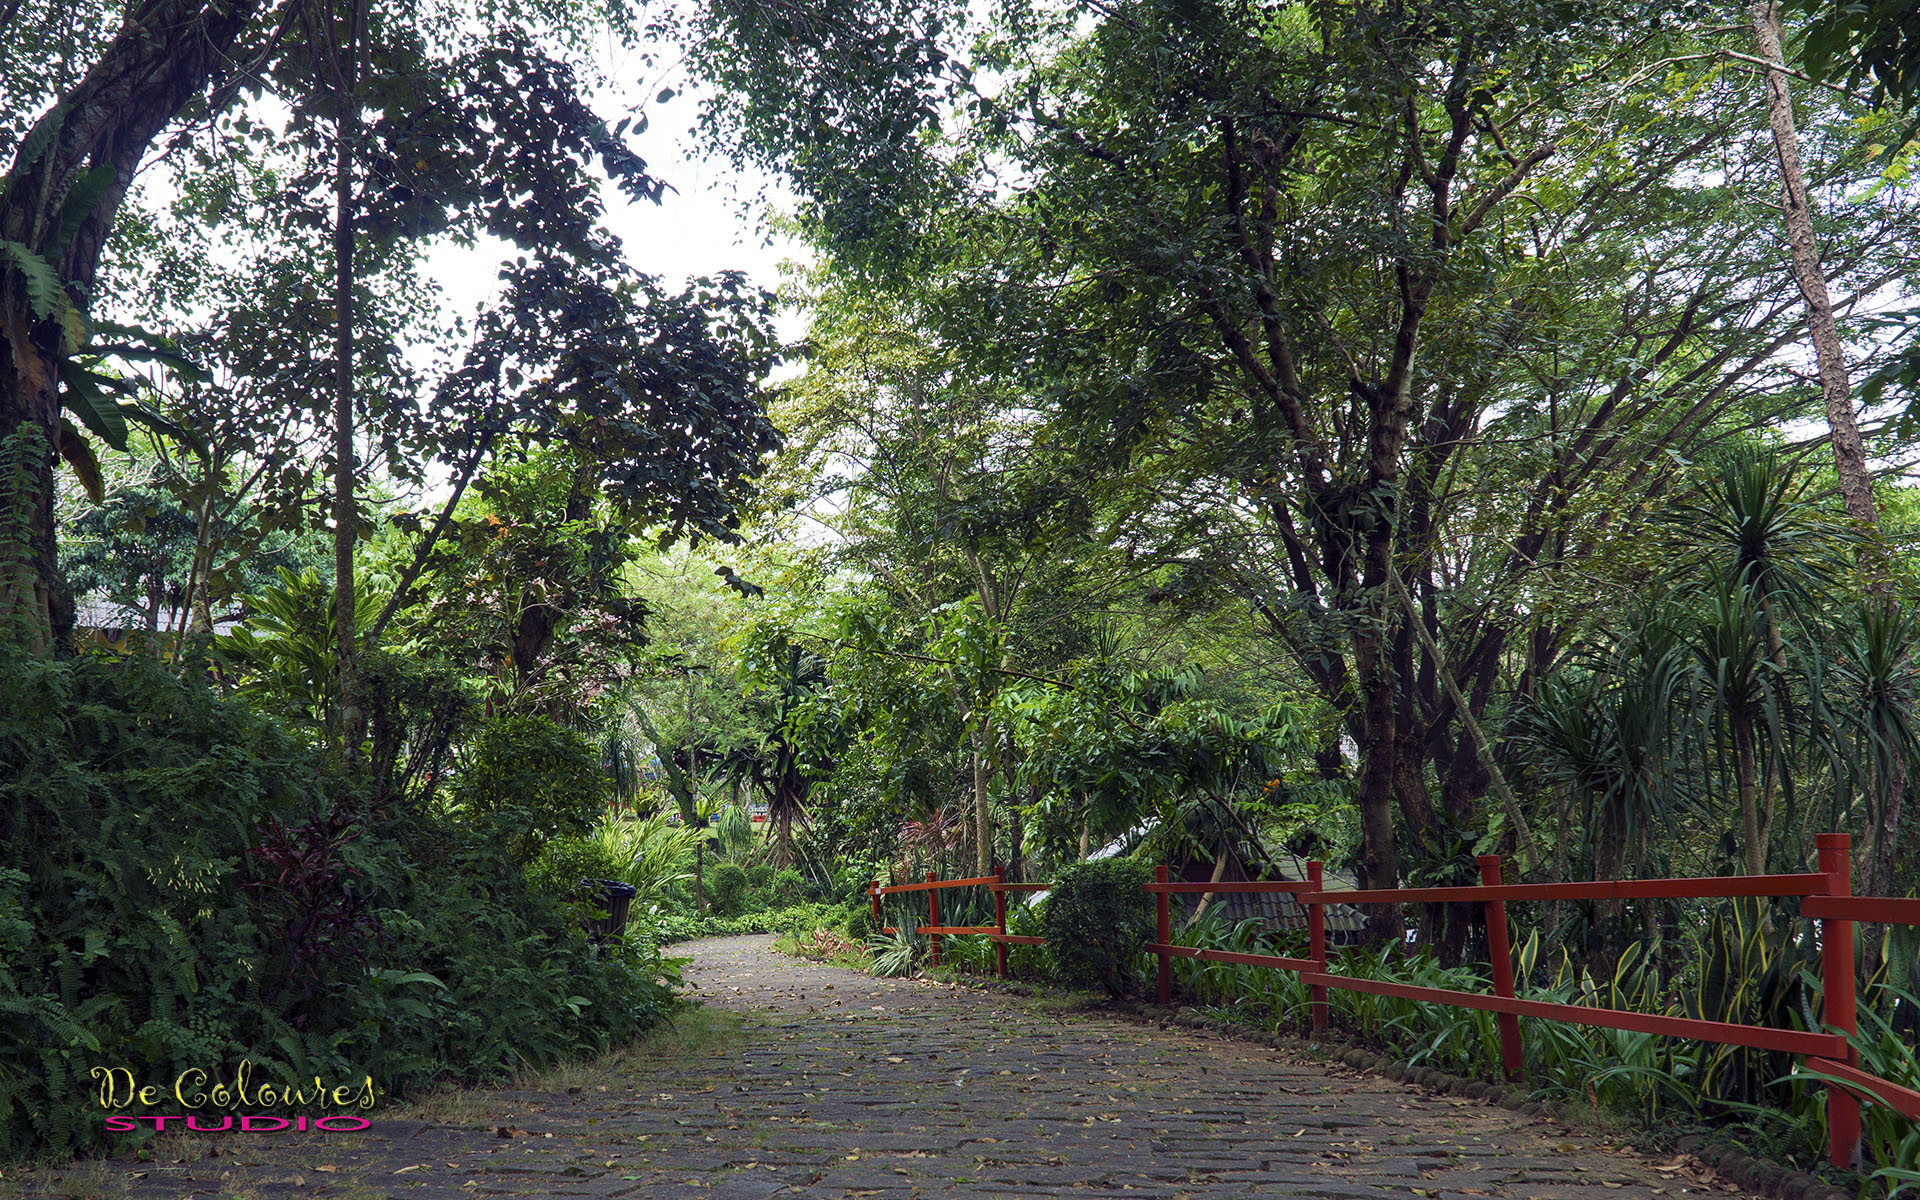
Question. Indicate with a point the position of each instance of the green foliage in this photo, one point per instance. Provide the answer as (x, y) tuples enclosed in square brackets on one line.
[(728, 889), (733, 834), (564, 861), (1869, 39), (528, 780), (897, 955), (858, 923), (283, 653), (786, 888), (665, 927), (418, 708), (647, 852), (1096, 921), (850, 880), (969, 954), (144, 827)]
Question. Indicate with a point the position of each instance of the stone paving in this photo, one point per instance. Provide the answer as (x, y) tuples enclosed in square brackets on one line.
[(850, 1086)]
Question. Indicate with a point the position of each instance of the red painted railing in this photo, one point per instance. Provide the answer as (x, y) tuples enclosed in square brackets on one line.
[(1826, 895)]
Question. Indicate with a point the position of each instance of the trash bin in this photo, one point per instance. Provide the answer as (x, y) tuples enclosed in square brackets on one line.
[(613, 896)]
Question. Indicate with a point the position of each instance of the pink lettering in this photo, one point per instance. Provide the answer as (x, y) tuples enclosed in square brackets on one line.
[(356, 1125), (225, 1124), (247, 1124), (120, 1124)]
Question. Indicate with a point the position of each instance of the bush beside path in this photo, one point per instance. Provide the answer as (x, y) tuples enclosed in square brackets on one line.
[(843, 1085)]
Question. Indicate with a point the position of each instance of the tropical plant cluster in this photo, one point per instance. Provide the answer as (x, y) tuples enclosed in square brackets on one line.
[(186, 884)]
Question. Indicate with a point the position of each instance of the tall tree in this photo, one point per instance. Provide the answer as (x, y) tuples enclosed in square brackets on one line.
[(1830, 356), (69, 174), (404, 128)]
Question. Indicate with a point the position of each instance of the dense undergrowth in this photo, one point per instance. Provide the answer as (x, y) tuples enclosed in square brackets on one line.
[(184, 884), (679, 926)]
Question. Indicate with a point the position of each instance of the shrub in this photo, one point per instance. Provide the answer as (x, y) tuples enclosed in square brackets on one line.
[(896, 955), (851, 879), (760, 876), (529, 780), (663, 927), (786, 889), (727, 889), (1097, 922), (858, 923), (564, 862), (646, 852)]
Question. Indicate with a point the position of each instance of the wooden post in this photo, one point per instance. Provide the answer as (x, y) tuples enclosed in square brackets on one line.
[(1501, 952), (933, 914), (1836, 981), (1165, 927), (1000, 923), (1317, 946)]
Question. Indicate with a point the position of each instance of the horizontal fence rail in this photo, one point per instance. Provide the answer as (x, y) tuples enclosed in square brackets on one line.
[(1826, 896)]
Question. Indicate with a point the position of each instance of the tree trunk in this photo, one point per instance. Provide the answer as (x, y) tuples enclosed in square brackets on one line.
[(346, 515), (982, 813), (1379, 867), (1849, 454), (33, 602), (1017, 841), (1876, 877), (1743, 769), (199, 604), (1609, 860), (1206, 898), (150, 619)]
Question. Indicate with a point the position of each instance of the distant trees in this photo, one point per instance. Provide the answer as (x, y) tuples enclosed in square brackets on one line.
[(1395, 325)]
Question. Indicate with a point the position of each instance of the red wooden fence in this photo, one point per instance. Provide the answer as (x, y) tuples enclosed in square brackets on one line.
[(1826, 895)]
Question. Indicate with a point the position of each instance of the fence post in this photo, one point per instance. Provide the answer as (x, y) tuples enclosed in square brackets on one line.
[(933, 914), (1317, 945), (1500, 951), (1836, 981), (873, 893), (1000, 921), (1164, 926)]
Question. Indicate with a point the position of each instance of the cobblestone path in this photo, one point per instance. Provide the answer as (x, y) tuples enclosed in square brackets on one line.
[(848, 1086)]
